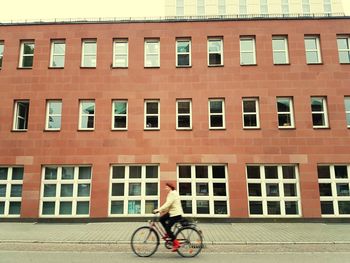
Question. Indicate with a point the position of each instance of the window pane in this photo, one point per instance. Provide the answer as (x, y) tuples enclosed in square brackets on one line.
[(219, 189), (216, 121), (184, 121), (202, 207), (291, 207), (220, 207), (201, 171), (312, 57), (2, 208), (88, 107), (186, 206), (83, 208), (218, 171), (67, 173), (344, 56), (50, 173), (121, 47), (84, 172), (3, 190), (183, 46), (250, 121), (59, 48), (28, 48), (343, 43), (343, 189), (247, 58), (290, 190), (135, 172), (318, 119), (87, 122), (151, 188), (325, 189), (344, 207), (90, 47), (278, 44), (249, 106), (117, 207), (118, 189), (134, 207), (283, 105), (54, 122), (284, 120), (119, 121), (118, 172), (288, 172), (183, 107), (202, 189), (89, 61), (184, 171), (273, 208), (311, 43), (152, 107), (271, 172), (341, 171), (214, 59), (185, 189), (183, 60), (58, 61), (3, 173), (66, 190), (246, 45), (65, 208), (83, 189), (15, 208), (254, 189), (253, 172), (272, 190), (150, 206), (323, 172), (17, 173), (255, 208), (214, 46), (135, 189), (151, 171), (49, 190), (152, 122), (216, 106), (48, 208), (27, 61), (327, 208), (279, 57)]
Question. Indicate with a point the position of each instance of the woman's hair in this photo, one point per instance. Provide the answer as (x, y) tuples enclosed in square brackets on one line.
[(170, 185)]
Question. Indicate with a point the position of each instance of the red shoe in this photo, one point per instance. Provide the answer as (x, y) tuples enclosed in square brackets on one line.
[(176, 245)]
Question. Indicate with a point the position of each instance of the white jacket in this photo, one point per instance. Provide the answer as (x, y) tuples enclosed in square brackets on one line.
[(172, 204)]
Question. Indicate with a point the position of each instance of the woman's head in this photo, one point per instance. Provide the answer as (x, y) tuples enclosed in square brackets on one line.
[(170, 185)]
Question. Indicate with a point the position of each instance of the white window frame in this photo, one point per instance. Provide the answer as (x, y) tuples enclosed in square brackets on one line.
[(335, 198), (2, 48), (347, 38), (183, 114), (264, 7), (253, 52), (285, 50), (306, 6), (242, 7), (221, 52), (8, 199), (126, 181), (81, 114), (221, 7), (53, 55), (16, 116), (121, 115), (324, 112), (318, 49), (222, 114), (290, 113), (285, 6), (256, 113), (281, 198), (210, 197), (29, 42), (57, 198), (84, 54), (48, 115), (200, 7), (347, 110), (151, 115), (183, 53), (157, 54), (124, 55)]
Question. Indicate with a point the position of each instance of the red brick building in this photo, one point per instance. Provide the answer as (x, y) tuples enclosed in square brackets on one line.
[(250, 118)]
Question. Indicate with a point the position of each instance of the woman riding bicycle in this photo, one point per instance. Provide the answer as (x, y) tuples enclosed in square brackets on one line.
[(171, 212)]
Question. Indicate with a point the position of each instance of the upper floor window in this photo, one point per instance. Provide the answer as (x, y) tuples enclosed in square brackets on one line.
[(222, 7), (327, 6), (87, 115), (285, 113), (21, 114), (319, 112), (183, 114), (347, 110), (215, 52), (285, 6), (216, 114), (152, 115), (264, 8), (280, 50), (58, 49), (200, 7), (247, 51), (152, 53), (120, 57), (1, 52), (180, 8), (53, 114), (120, 115), (251, 113), (242, 7), (344, 49), (27, 54), (312, 49), (183, 53), (89, 53), (306, 6)]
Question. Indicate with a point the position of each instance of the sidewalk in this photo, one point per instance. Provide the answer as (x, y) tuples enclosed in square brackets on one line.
[(214, 233)]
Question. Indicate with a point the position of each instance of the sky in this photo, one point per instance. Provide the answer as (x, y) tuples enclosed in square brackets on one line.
[(46, 9)]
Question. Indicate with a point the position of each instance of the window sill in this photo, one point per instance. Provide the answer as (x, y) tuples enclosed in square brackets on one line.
[(115, 67), (19, 130), (151, 129), (343, 63), (48, 130), (56, 67), (25, 68), (286, 128), (314, 64), (121, 130), (155, 67), (248, 65), (86, 130), (189, 66), (217, 129), (81, 67), (215, 66), (184, 129), (321, 128), (251, 128), (282, 64)]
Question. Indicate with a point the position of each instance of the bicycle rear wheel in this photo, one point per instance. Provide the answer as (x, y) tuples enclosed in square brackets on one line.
[(191, 242), (144, 241)]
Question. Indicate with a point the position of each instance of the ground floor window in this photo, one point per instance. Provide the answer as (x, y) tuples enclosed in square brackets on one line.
[(334, 185), (273, 190), (134, 190), (11, 182), (203, 189), (65, 191)]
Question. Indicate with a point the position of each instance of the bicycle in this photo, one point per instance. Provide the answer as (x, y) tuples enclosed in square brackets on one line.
[(146, 239)]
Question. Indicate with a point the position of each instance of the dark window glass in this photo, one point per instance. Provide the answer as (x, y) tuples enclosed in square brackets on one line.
[(253, 172)]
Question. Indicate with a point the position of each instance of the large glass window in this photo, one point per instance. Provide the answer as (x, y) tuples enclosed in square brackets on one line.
[(280, 50), (312, 50), (215, 52), (21, 115), (53, 114), (27, 54), (216, 113), (89, 53), (183, 52), (343, 49), (1, 52), (58, 49), (120, 115), (334, 187), (327, 6), (134, 189), (347, 110), (285, 6), (180, 8), (203, 189), (264, 7), (87, 115), (242, 7), (120, 55), (285, 112), (222, 7), (250, 114), (306, 6), (200, 7), (152, 53), (11, 182), (273, 191), (152, 115), (65, 191), (319, 112), (247, 51), (183, 114)]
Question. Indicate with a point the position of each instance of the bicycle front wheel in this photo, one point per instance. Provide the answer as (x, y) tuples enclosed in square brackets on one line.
[(191, 242), (144, 241)]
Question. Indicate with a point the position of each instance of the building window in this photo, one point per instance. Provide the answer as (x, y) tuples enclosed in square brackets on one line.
[(264, 8), (65, 191), (200, 7), (183, 114), (1, 52), (273, 190), (53, 114), (89, 53), (319, 112), (285, 112), (203, 189), (222, 7), (134, 190), (216, 114), (344, 49), (327, 6), (306, 6), (120, 57), (183, 53), (285, 6), (251, 113), (312, 50), (280, 50), (87, 115), (58, 49), (120, 115), (152, 53), (180, 8), (27, 54), (247, 51), (152, 115), (347, 110), (215, 52), (334, 185), (242, 7), (11, 182), (20, 122)]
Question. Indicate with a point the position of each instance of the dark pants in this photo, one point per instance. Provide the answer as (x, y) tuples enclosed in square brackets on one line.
[(167, 222)]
